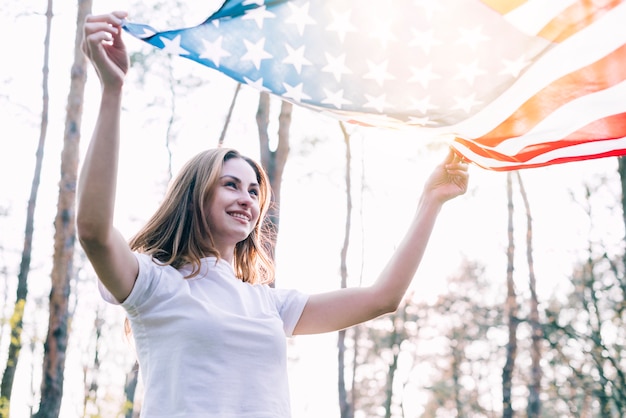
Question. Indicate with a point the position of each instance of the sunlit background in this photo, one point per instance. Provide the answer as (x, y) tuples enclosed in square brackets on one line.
[(388, 170)]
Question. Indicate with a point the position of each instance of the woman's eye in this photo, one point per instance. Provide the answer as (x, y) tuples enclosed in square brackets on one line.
[(231, 184), (254, 192)]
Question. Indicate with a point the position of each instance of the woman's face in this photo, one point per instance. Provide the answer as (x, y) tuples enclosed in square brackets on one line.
[(233, 210)]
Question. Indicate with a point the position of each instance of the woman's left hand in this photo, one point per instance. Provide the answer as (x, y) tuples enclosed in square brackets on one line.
[(449, 179)]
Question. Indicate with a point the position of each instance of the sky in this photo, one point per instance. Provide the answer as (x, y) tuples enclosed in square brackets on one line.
[(313, 208)]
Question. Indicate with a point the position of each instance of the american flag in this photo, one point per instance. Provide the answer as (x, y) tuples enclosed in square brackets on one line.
[(514, 83)]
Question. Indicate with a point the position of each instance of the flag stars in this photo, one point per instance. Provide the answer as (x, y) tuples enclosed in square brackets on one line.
[(336, 66), (466, 103), (383, 33), (515, 67), (430, 7), (146, 32), (469, 72), (213, 51), (296, 58), (295, 92), (378, 72), (258, 84), (424, 39), (423, 121), (472, 37), (422, 105), (341, 24), (172, 46), (255, 52), (300, 16), (378, 103), (259, 15), (423, 75), (335, 98)]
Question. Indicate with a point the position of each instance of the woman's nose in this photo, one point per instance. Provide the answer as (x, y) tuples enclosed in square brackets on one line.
[(245, 199)]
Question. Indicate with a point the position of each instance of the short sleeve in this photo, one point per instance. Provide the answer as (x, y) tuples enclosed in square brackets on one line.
[(147, 278), (290, 304)]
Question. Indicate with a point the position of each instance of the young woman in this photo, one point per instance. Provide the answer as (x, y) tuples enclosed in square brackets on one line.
[(209, 332)]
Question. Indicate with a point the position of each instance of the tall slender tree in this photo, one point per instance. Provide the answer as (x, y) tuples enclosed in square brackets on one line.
[(273, 160), (346, 408), (511, 308), (533, 408), (17, 318), (64, 238)]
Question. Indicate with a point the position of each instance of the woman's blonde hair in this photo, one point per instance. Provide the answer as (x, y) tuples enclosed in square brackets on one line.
[(179, 232)]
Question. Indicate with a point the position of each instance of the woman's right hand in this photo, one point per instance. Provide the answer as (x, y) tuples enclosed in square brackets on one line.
[(103, 45)]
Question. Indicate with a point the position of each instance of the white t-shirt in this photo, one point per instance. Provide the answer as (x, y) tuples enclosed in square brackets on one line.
[(210, 346)]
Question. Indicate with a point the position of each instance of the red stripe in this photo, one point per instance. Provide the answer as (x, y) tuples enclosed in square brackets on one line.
[(613, 153), (605, 129), (575, 18), (598, 76), (609, 127)]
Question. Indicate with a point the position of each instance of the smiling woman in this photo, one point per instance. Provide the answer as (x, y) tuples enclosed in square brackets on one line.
[(212, 208), (194, 281)]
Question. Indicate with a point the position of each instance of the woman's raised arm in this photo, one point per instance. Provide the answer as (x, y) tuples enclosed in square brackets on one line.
[(344, 308), (105, 247)]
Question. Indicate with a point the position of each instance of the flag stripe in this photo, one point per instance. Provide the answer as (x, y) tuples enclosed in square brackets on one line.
[(578, 152), (607, 72), (571, 121), (548, 68), (532, 16), (577, 17), (605, 129)]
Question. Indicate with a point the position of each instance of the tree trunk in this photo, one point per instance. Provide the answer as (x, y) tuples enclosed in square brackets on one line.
[(621, 164), (64, 238), (130, 386), (398, 319), (345, 406), (511, 308), (534, 388), (273, 161), (17, 319), (91, 374), (220, 142)]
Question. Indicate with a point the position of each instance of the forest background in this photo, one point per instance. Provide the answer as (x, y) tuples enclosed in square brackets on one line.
[(461, 345)]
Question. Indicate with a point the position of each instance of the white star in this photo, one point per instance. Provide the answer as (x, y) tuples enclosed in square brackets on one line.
[(341, 24), (425, 40), (383, 32), (378, 72), (336, 66), (296, 58), (465, 103), (472, 37), (336, 99), (379, 103), (255, 52), (258, 15), (514, 68), (295, 92), (300, 16), (172, 46), (422, 105), (430, 7), (213, 51), (147, 32), (424, 121), (469, 72), (423, 75), (256, 84)]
